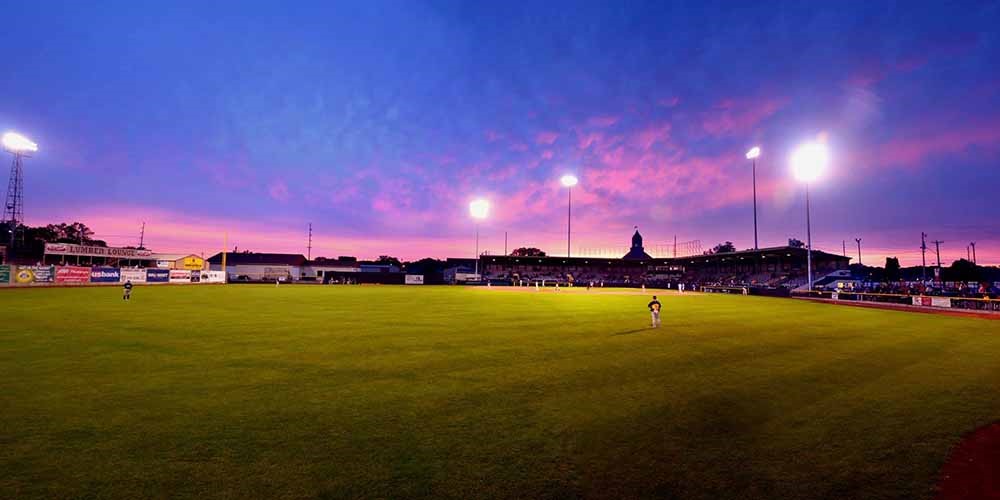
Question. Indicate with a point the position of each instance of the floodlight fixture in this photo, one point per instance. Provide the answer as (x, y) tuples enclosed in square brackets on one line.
[(18, 144)]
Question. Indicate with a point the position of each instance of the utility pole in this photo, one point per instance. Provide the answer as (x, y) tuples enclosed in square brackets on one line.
[(923, 256), (675, 246), (142, 235), (309, 248), (505, 243), (968, 253), (845, 247), (973, 245), (937, 245), (859, 249)]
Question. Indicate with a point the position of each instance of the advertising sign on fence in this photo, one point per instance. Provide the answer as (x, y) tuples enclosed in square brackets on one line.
[(157, 275), (33, 274), (105, 275), (414, 279), (133, 275), (72, 274), (213, 277), (940, 301), (921, 301), (4, 275), (180, 276)]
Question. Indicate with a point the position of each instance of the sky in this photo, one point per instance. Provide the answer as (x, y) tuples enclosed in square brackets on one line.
[(240, 123)]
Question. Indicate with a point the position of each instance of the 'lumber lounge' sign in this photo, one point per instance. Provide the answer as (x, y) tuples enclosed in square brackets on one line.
[(69, 249)]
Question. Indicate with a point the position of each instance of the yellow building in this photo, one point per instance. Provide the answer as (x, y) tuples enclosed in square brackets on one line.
[(190, 262)]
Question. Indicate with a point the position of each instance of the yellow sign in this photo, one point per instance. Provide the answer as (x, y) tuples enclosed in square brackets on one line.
[(24, 276), (193, 263)]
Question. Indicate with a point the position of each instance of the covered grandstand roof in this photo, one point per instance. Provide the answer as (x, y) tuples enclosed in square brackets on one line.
[(785, 251)]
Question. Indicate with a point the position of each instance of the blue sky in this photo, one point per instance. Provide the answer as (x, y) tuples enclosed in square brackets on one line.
[(379, 121)]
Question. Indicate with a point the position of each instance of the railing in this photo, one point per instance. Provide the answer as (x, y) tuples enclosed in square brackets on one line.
[(749, 290), (978, 304)]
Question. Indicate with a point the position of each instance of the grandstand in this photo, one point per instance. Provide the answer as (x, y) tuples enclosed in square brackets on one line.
[(773, 267)]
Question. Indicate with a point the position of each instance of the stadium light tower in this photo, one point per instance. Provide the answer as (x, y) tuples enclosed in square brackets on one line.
[(569, 181), (809, 162), (21, 147), (752, 156), (478, 209)]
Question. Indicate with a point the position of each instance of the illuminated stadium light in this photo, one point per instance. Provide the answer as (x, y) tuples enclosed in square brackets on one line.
[(479, 209), (17, 143), (568, 181), (809, 161), (752, 156)]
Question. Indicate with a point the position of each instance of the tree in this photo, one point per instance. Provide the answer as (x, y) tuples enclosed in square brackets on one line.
[(385, 259), (726, 247), (963, 270), (796, 243), (891, 269), (527, 252)]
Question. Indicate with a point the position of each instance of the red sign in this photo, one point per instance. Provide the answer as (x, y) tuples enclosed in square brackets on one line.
[(72, 274)]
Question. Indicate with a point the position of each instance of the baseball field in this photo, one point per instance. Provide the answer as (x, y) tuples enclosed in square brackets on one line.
[(449, 392)]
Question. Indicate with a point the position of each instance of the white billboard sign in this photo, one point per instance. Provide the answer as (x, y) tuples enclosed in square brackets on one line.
[(213, 277), (133, 275), (414, 279), (180, 276)]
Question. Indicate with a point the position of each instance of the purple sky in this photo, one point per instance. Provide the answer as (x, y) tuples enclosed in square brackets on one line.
[(379, 121)]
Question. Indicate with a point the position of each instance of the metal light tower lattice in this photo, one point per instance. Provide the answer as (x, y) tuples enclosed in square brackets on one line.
[(13, 215)]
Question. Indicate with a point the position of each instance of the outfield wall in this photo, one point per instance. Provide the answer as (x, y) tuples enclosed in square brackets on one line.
[(28, 276), (966, 303)]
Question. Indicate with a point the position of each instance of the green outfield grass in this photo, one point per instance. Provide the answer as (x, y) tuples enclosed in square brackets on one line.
[(447, 392)]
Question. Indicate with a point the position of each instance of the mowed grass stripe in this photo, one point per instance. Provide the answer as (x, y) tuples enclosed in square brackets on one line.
[(446, 392)]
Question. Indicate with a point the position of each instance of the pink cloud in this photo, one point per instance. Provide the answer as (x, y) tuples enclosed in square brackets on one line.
[(740, 116), (910, 151), (547, 154), (278, 190), (645, 138), (585, 140), (669, 102), (603, 121), (546, 137), (492, 136)]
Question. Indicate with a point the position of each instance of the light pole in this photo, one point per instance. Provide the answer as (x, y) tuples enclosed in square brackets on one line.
[(752, 156), (809, 162), (21, 147), (478, 209), (923, 257), (569, 181)]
